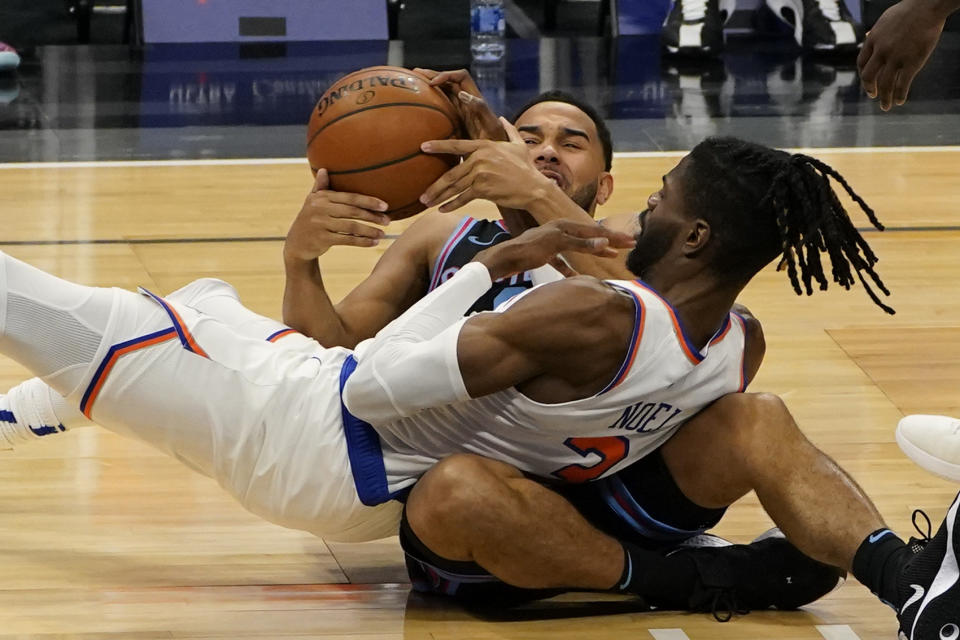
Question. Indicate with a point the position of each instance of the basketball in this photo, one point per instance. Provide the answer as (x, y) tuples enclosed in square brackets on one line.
[(366, 131)]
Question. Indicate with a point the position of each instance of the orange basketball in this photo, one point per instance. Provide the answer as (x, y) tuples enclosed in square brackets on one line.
[(366, 131)]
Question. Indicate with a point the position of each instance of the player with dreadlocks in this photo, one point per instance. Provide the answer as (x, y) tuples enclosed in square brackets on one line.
[(760, 201), (572, 380), (729, 208)]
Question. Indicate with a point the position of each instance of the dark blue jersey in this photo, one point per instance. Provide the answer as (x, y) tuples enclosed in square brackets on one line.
[(470, 237)]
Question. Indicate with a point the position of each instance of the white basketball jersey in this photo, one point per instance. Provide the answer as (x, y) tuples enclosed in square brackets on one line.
[(662, 383)]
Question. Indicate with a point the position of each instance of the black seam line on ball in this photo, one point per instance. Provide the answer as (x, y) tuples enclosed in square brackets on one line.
[(380, 106)]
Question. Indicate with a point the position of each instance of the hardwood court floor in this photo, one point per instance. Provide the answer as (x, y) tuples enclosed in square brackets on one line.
[(101, 537)]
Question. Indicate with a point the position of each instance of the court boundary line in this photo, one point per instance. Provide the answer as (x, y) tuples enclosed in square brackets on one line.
[(214, 162)]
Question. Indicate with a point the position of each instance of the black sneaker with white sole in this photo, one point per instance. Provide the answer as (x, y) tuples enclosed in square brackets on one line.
[(768, 573), (820, 25), (695, 27), (829, 26), (930, 586)]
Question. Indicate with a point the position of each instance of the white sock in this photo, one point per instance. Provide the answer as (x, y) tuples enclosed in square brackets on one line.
[(33, 410)]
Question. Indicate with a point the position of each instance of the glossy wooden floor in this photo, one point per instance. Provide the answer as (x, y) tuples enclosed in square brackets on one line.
[(101, 537)]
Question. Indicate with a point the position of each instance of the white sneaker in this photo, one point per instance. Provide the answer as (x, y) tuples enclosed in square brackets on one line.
[(933, 442)]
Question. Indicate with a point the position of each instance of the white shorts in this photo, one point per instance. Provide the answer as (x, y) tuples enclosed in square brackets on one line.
[(261, 418)]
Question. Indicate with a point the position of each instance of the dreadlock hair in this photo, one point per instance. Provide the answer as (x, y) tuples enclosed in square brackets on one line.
[(762, 203), (606, 141)]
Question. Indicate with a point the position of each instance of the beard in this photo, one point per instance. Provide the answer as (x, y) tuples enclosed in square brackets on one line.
[(586, 196), (649, 249)]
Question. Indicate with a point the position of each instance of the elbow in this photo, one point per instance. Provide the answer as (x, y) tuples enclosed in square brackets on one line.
[(365, 397), (328, 334), (298, 324)]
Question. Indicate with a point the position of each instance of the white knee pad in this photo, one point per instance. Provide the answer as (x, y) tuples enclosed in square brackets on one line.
[(51, 326)]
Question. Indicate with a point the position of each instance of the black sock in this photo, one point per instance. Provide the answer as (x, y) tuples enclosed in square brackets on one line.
[(666, 581), (878, 563)]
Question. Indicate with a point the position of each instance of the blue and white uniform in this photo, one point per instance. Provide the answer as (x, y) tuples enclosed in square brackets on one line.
[(471, 236)]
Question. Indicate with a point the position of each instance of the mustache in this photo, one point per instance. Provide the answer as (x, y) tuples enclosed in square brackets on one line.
[(642, 222)]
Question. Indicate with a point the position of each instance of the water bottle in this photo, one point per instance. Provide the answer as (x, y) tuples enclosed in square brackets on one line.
[(491, 79), (487, 30)]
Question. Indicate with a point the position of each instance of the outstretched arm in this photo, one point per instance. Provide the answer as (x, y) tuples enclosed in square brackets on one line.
[(431, 356)]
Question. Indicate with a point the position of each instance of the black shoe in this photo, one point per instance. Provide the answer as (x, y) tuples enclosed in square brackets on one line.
[(695, 27), (930, 584), (919, 544), (829, 26), (820, 25), (767, 573)]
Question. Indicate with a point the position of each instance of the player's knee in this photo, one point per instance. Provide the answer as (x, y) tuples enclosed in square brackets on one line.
[(753, 419), (454, 489)]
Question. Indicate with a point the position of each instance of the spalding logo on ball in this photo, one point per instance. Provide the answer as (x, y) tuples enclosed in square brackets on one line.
[(366, 131)]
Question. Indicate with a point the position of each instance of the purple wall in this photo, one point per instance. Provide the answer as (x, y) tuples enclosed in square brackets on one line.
[(282, 20)]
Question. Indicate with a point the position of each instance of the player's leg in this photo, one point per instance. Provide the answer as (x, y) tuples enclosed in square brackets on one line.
[(228, 406), (757, 445), (33, 410), (85, 342), (458, 510), (753, 443), (478, 529), (220, 300)]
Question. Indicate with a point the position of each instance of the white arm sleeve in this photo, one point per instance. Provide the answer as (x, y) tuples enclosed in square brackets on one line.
[(545, 274), (411, 364)]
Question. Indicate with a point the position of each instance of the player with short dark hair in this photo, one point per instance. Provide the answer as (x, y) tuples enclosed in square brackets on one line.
[(603, 132)]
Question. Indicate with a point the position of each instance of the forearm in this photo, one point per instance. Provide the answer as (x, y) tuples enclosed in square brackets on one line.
[(553, 204), (412, 363), (307, 307)]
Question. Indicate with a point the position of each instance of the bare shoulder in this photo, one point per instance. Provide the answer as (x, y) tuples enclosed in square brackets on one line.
[(432, 226), (433, 221), (576, 330), (753, 324), (580, 306), (756, 345), (561, 341), (581, 293), (419, 243)]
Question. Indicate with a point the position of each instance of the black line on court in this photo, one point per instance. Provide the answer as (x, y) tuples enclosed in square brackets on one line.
[(919, 228), (389, 236)]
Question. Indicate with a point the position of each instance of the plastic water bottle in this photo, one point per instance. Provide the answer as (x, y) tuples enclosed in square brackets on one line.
[(487, 30), (491, 79)]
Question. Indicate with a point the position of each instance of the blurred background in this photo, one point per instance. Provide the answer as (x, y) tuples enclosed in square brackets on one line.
[(129, 79)]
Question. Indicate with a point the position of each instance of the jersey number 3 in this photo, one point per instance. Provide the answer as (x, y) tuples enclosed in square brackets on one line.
[(610, 450)]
